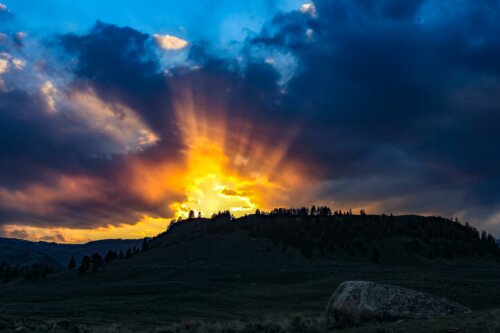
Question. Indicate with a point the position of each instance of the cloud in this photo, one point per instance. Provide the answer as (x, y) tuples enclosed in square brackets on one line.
[(122, 66), (49, 91), (291, 30), (114, 120), (380, 83), (168, 42), (5, 14), (16, 233), (386, 105), (19, 64), (309, 8), (4, 66)]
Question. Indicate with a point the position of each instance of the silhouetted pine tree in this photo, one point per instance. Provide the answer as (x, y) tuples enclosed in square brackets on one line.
[(145, 245), (109, 257), (72, 263), (97, 260), (84, 265)]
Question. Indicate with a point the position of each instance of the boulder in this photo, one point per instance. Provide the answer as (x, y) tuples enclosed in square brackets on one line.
[(356, 302)]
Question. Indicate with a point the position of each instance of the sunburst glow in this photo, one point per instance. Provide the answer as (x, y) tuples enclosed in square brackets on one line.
[(219, 167), (223, 172), (213, 183)]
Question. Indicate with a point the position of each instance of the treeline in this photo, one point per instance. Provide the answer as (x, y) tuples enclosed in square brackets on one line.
[(306, 211), (96, 261), (30, 273), (319, 230), (302, 211)]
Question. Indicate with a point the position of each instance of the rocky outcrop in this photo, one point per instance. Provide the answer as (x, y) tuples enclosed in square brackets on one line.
[(356, 302)]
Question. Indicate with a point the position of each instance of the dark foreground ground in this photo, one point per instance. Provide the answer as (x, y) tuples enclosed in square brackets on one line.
[(235, 283)]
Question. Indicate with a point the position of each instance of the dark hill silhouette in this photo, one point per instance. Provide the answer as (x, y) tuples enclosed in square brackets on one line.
[(62, 253), (12, 257), (433, 237)]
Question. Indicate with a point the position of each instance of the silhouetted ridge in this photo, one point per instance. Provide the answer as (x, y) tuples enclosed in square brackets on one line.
[(432, 237)]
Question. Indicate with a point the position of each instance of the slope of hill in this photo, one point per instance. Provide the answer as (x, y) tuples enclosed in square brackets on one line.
[(241, 270), (61, 253), (13, 257), (429, 237)]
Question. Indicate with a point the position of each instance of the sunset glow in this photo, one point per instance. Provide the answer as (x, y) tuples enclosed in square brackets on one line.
[(225, 169), (117, 121), (220, 169)]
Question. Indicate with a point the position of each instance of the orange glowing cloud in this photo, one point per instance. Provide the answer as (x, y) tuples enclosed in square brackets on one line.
[(220, 168), (145, 227), (43, 199), (222, 165)]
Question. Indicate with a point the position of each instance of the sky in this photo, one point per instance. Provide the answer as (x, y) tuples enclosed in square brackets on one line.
[(117, 117)]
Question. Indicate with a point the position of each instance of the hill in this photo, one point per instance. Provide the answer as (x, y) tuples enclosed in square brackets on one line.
[(13, 257), (254, 270), (315, 235), (59, 254)]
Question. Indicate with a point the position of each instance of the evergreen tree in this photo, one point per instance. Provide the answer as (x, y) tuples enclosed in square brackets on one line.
[(128, 255), (97, 259), (72, 263), (145, 245), (85, 265), (109, 257)]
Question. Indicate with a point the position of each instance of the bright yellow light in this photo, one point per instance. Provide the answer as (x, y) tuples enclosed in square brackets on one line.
[(225, 168), (211, 184)]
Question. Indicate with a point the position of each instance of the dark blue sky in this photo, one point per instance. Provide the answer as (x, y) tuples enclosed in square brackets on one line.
[(388, 105)]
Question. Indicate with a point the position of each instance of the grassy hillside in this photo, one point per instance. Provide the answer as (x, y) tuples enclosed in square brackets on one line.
[(226, 271)]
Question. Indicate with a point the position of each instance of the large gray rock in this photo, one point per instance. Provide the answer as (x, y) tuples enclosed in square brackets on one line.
[(356, 302)]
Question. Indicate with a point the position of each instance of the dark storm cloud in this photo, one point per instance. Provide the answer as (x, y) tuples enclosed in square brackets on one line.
[(287, 29), (405, 91), (121, 64), (57, 169), (396, 105)]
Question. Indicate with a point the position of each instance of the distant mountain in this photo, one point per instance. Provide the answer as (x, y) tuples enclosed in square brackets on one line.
[(26, 257), (22, 252)]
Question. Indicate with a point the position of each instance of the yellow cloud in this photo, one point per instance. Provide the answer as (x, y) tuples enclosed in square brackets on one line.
[(147, 226)]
